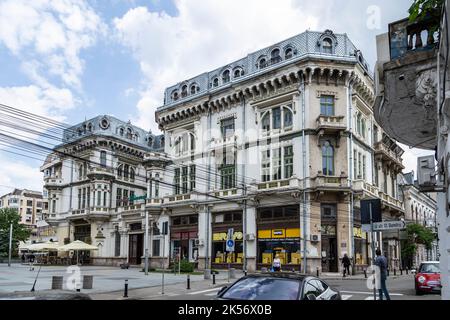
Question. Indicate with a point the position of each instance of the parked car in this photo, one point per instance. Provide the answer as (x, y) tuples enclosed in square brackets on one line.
[(428, 278), (279, 286)]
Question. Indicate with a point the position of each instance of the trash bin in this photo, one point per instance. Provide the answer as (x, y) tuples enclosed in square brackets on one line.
[(87, 282), (57, 283)]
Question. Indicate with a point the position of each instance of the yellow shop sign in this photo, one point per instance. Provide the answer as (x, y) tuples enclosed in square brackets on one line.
[(222, 236)]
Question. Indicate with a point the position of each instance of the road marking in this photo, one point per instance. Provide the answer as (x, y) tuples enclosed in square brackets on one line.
[(369, 298), (211, 294), (209, 290), (346, 296), (361, 292)]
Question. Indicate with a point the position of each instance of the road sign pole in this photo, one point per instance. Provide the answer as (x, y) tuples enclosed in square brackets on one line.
[(10, 244), (373, 251), (146, 243)]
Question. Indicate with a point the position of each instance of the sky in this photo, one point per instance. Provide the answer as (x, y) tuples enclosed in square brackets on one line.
[(72, 60)]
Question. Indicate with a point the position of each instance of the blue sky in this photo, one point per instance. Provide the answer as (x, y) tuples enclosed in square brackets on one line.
[(76, 59)]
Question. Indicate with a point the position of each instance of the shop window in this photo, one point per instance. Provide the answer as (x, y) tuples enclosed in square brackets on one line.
[(176, 221), (193, 219), (228, 217)]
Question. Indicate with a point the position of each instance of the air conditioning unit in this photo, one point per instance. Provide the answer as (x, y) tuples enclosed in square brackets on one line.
[(250, 237), (315, 238), (199, 242)]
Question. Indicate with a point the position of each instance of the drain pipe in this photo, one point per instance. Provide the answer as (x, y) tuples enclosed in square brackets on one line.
[(244, 184), (301, 91), (351, 169)]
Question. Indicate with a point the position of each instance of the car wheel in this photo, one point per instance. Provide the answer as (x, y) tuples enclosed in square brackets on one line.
[(418, 292)]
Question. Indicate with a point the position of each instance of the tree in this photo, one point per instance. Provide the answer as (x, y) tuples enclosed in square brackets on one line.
[(417, 234), (20, 231), (423, 9)]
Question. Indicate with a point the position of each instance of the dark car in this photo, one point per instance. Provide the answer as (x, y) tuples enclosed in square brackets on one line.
[(279, 286), (428, 278)]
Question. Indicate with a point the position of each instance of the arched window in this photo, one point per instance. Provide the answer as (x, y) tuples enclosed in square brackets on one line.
[(132, 174), (90, 127), (129, 133), (80, 172), (150, 141), (126, 171), (178, 146), (194, 89), (103, 158), (184, 91), (327, 46), (192, 142), (275, 56), (237, 73), (266, 122), (80, 132), (226, 76), (288, 53), (121, 131), (175, 95), (215, 82), (287, 117), (262, 63), (327, 159), (120, 171)]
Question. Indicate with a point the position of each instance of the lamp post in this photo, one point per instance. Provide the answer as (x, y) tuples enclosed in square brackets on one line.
[(10, 244)]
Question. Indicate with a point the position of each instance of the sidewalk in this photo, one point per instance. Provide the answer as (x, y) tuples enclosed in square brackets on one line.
[(339, 276)]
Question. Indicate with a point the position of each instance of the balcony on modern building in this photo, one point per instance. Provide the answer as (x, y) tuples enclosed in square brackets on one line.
[(322, 182), (389, 152), (99, 171), (406, 82), (330, 125), (53, 182)]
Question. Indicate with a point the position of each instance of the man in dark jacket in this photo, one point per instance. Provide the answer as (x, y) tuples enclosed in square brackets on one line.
[(381, 262), (346, 262)]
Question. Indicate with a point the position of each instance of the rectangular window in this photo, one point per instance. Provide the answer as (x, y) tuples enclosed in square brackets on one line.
[(227, 177), (192, 177), (364, 167), (99, 198), (375, 134), (88, 196), (118, 197), (83, 204), (125, 197), (29, 203), (393, 180), (265, 166), (53, 206), (327, 105), (276, 116), (385, 182), (375, 170), (103, 158), (355, 166), (131, 197), (276, 164), (79, 198), (104, 198), (184, 179), (359, 166), (156, 189), (287, 117), (155, 252), (328, 211), (176, 181), (288, 162), (227, 127)]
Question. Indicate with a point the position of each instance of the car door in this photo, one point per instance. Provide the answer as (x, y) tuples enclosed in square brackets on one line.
[(313, 288)]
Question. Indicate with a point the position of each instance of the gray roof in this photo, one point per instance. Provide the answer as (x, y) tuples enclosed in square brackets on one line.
[(109, 126), (304, 45)]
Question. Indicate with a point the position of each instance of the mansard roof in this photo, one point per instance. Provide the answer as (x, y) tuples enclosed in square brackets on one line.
[(302, 46), (109, 126)]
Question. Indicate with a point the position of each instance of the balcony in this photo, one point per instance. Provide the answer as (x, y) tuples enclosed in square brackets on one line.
[(279, 185), (154, 203), (394, 206), (223, 142), (329, 183), (53, 183), (100, 171), (330, 124), (102, 213), (368, 189), (180, 198), (407, 80), (390, 154), (227, 193)]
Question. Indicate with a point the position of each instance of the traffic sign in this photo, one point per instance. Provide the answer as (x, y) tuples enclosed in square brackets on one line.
[(230, 245), (389, 225)]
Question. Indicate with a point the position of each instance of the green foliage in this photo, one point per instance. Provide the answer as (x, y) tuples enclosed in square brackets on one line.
[(423, 9), (185, 266), (20, 231), (417, 234)]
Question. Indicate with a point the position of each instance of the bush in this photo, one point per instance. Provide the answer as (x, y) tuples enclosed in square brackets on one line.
[(185, 266)]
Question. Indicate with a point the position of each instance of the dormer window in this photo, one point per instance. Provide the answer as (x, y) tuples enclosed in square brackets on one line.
[(237, 73), (275, 56), (129, 133), (226, 76), (184, 91), (215, 82), (327, 46), (288, 53), (175, 95), (121, 132), (194, 89), (262, 63)]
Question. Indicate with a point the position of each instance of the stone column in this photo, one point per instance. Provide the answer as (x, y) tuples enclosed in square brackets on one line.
[(251, 244), (204, 234)]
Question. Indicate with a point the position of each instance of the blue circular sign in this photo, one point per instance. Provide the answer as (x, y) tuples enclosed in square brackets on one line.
[(230, 243)]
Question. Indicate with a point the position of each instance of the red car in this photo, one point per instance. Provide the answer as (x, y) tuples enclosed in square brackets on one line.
[(428, 278)]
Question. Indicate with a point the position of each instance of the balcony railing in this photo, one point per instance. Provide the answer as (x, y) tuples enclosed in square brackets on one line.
[(226, 193), (180, 198), (53, 182), (223, 142), (406, 36), (322, 181), (391, 200), (279, 184), (100, 170), (331, 122), (381, 148)]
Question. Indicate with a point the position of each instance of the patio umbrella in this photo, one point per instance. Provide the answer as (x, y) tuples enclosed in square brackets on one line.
[(45, 246), (77, 245), (23, 245)]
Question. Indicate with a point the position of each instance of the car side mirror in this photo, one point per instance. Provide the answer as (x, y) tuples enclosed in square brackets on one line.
[(311, 297), (221, 290)]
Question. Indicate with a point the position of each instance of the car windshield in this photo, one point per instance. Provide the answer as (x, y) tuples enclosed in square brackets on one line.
[(264, 289), (429, 268)]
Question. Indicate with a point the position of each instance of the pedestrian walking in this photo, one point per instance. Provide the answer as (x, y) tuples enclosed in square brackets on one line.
[(276, 265), (381, 262), (346, 263), (32, 257)]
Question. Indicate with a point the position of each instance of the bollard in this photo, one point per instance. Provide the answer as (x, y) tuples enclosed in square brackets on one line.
[(189, 282), (245, 273), (125, 290), (317, 272), (401, 271), (365, 273), (395, 272), (214, 278), (388, 272), (406, 270)]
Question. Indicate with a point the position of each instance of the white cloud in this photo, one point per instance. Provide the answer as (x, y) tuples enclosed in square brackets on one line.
[(17, 173), (52, 33)]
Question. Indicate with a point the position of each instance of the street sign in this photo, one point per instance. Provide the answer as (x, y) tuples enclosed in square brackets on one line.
[(135, 198), (230, 245), (389, 225)]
